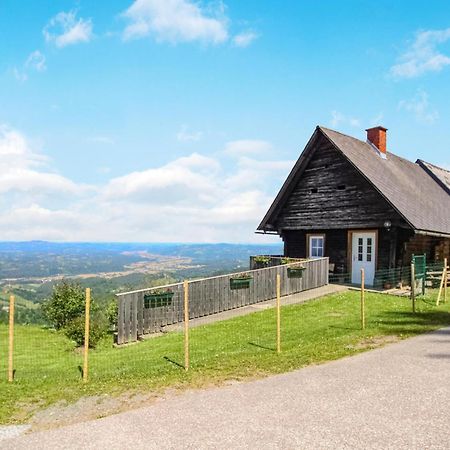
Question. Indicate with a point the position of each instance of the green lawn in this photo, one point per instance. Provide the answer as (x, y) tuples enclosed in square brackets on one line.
[(47, 365)]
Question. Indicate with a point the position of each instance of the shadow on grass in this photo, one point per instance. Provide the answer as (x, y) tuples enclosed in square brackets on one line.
[(173, 362), (419, 317), (262, 346), (406, 321)]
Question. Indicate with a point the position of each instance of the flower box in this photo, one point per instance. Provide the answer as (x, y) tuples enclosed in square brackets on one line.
[(295, 272), (240, 282), (158, 299)]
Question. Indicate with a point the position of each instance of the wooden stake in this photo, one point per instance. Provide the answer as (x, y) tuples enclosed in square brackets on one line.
[(186, 324), (363, 305), (11, 340), (86, 335), (445, 280), (413, 287), (278, 313), (441, 285)]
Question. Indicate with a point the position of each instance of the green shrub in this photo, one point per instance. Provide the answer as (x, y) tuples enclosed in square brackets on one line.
[(74, 329), (112, 312), (66, 304), (65, 311)]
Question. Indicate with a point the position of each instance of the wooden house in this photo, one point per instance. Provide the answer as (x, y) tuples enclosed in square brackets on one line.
[(361, 205)]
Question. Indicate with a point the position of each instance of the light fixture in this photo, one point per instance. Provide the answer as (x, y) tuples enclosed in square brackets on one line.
[(387, 224)]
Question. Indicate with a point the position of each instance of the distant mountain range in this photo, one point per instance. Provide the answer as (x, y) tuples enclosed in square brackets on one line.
[(46, 259)]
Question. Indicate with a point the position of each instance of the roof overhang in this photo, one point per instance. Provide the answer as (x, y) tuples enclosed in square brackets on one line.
[(432, 233)]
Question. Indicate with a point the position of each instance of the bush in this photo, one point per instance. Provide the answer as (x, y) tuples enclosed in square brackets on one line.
[(74, 329), (112, 312), (66, 304), (65, 310)]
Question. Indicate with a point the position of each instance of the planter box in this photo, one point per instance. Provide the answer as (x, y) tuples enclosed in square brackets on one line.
[(295, 272), (240, 283), (158, 300)]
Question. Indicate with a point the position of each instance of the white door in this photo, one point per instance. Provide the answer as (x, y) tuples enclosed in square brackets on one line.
[(363, 257)]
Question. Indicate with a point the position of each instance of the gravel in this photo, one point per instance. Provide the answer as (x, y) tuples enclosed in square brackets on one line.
[(10, 431)]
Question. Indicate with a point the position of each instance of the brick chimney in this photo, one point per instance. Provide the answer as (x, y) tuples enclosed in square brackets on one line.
[(377, 136)]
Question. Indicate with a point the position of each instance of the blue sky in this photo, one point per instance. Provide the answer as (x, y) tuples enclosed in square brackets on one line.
[(174, 120)]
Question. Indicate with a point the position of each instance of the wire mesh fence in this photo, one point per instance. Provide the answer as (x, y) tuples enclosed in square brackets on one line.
[(234, 343)]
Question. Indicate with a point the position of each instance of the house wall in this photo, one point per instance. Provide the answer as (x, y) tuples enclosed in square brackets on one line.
[(332, 194), (337, 246), (332, 198), (436, 248)]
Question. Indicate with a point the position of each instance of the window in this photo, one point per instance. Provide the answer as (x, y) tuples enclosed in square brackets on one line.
[(369, 249), (316, 245), (360, 249)]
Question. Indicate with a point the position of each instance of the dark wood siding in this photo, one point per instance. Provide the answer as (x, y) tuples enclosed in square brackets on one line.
[(392, 246), (332, 194), (335, 245), (436, 248)]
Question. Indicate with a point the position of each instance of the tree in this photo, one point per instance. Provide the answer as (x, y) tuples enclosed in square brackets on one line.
[(65, 310), (66, 304)]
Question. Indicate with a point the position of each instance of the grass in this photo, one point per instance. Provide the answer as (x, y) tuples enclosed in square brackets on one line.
[(47, 364)]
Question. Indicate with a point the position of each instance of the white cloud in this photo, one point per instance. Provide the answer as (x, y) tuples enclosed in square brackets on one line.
[(420, 107), (194, 198), (65, 29), (248, 146), (20, 75), (244, 39), (176, 21), (423, 55), (338, 119), (185, 178), (36, 61), (23, 170), (184, 135)]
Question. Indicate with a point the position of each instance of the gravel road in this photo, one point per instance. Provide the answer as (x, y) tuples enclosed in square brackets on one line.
[(396, 397)]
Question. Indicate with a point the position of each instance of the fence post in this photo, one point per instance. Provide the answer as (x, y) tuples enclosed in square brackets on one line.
[(11, 340), (363, 305), (86, 334), (445, 280), (413, 287), (443, 283), (278, 313), (186, 324)]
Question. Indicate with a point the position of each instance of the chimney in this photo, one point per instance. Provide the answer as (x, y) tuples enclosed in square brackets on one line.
[(377, 136)]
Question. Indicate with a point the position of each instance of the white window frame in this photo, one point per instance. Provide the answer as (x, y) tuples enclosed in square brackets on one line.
[(316, 249)]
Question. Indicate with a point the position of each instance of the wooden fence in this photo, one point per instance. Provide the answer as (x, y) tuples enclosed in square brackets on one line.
[(141, 312)]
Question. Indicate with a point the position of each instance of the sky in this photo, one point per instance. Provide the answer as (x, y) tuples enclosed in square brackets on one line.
[(179, 120)]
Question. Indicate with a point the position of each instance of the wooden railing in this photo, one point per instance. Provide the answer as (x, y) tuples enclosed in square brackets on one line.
[(142, 313)]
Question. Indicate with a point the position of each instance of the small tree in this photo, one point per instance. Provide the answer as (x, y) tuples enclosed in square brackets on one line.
[(65, 310), (66, 304)]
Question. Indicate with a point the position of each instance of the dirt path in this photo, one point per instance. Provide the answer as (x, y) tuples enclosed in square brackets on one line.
[(394, 397)]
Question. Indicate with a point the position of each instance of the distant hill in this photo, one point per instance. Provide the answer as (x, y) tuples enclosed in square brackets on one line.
[(46, 259)]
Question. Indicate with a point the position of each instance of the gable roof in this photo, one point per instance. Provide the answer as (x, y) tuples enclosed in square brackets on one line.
[(416, 194), (439, 174)]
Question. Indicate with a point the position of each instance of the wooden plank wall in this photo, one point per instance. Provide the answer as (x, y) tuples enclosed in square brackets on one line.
[(331, 193), (210, 296)]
